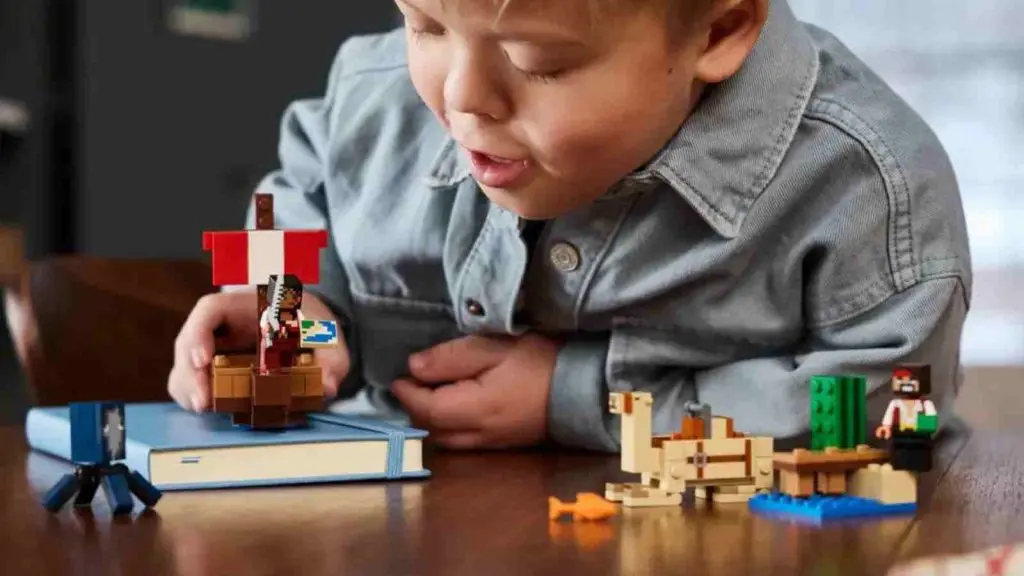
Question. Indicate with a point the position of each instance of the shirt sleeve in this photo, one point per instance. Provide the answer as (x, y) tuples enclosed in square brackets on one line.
[(578, 399), (299, 191), (766, 395)]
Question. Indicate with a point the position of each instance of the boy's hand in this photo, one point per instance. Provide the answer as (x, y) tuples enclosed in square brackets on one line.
[(495, 393), (234, 313)]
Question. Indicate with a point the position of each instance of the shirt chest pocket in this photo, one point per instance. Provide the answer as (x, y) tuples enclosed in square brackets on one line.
[(388, 330)]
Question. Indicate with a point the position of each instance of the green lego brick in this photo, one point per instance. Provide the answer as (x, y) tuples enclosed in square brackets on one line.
[(855, 405), (927, 424), (825, 415), (838, 411)]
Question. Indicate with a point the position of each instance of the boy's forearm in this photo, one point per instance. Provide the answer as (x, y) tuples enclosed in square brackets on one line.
[(767, 395), (771, 395)]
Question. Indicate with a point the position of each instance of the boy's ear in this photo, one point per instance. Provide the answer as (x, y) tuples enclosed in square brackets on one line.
[(731, 29)]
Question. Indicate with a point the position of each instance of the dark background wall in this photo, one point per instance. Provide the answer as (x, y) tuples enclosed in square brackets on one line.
[(141, 138), (22, 69)]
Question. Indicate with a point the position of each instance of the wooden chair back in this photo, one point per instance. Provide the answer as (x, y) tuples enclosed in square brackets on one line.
[(89, 329)]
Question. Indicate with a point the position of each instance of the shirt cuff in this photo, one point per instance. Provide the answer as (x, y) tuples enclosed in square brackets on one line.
[(578, 400)]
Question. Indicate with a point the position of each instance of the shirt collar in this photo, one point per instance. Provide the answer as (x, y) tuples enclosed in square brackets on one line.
[(727, 151), (449, 167)]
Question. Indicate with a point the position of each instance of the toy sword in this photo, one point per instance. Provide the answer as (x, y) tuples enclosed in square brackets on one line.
[(273, 312)]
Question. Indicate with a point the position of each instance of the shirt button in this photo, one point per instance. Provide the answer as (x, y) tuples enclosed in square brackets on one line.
[(565, 257), (474, 307)]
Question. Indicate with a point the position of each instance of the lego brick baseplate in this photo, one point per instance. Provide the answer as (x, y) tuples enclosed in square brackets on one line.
[(819, 508)]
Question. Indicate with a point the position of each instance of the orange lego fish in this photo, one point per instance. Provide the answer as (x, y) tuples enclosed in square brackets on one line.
[(588, 506)]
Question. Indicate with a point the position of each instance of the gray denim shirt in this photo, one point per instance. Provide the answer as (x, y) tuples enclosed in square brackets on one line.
[(803, 221)]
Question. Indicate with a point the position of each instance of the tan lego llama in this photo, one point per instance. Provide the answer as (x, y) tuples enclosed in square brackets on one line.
[(706, 455)]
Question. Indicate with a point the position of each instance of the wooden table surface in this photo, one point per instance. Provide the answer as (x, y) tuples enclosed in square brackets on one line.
[(486, 514)]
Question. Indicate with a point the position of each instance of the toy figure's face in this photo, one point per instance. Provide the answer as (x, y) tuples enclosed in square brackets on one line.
[(905, 384), (291, 298), (113, 433)]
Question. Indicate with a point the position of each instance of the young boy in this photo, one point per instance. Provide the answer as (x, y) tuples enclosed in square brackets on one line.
[(535, 202)]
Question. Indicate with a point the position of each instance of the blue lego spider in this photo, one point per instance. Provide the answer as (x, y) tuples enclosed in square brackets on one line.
[(97, 444)]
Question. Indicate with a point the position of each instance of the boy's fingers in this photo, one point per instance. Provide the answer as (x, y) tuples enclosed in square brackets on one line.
[(459, 406), (335, 365), (188, 387), (210, 324), (416, 399), (331, 382), (452, 407), (177, 390), (458, 359), (194, 348), (332, 378), (194, 344), (200, 391)]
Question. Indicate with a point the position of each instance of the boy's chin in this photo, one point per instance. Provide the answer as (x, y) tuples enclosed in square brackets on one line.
[(535, 202), (528, 204)]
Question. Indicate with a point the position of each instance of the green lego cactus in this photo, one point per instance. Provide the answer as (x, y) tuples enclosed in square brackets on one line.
[(838, 411), (857, 422)]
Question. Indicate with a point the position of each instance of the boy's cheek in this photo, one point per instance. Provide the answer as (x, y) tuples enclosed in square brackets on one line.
[(577, 146), (429, 84)]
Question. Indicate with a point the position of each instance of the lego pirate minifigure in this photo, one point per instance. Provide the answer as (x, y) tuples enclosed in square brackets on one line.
[(910, 420), (280, 323)]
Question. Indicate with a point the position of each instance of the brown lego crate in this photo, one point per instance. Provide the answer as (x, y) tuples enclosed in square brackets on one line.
[(310, 377), (271, 390), (315, 384), (231, 377)]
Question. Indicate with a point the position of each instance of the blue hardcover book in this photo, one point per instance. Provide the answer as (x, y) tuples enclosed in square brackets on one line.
[(180, 450)]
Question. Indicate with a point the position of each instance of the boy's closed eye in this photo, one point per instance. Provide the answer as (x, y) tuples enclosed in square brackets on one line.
[(536, 50), (546, 62)]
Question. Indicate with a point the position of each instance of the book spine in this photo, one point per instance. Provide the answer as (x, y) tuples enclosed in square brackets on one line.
[(395, 439)]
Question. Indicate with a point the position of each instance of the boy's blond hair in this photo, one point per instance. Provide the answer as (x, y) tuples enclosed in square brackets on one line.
[(684, 13)]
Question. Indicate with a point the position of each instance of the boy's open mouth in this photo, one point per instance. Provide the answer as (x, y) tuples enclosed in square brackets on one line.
[(496, 171)]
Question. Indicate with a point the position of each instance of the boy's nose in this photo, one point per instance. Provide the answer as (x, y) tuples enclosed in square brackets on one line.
[(469, 89)]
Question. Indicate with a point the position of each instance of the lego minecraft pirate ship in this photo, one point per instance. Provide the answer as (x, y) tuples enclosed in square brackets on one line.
[(278, 385)]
